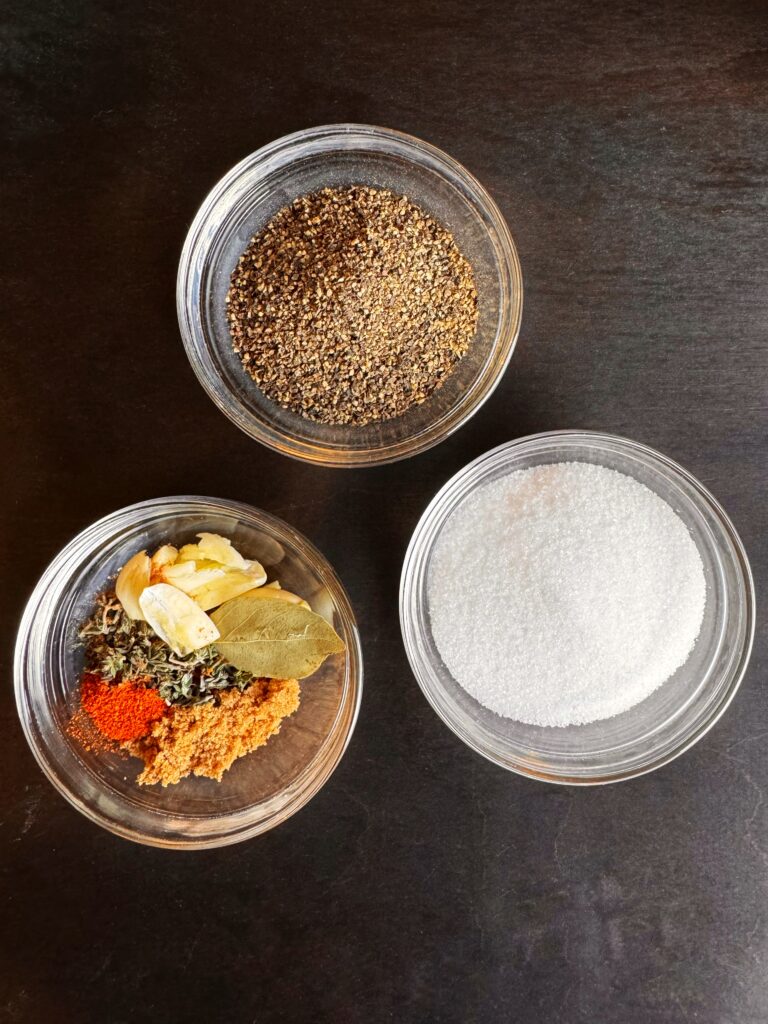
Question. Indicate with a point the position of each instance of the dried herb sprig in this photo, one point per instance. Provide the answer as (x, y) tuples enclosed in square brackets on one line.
[(117, 647)]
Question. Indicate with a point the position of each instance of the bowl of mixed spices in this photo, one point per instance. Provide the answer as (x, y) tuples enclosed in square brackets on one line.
[(349, 295), (188, 672), (577, 607)]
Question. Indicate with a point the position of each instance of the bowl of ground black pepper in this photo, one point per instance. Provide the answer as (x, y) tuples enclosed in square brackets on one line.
[(349, 295), (70, 716)]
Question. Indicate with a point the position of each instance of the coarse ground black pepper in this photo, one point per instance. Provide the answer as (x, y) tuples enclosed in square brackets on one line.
[(351, 305)]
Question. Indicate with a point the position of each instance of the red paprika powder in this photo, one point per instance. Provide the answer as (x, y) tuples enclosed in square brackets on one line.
[(121, 711)]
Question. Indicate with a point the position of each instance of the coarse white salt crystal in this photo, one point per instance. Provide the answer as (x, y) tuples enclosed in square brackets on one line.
[(564, 594)]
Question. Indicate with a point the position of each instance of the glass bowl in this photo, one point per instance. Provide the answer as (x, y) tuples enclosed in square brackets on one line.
[(260, 790), (335, 155), (667, 722)]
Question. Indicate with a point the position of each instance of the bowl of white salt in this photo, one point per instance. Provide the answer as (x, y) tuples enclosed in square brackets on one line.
[(577, 607)]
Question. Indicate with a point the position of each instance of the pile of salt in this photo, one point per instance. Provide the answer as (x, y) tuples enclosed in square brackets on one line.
[(564, 594)]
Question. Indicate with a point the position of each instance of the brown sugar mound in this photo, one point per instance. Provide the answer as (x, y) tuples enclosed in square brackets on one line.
[(205, 739)]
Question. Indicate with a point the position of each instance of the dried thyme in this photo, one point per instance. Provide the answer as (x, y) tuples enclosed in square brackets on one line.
[(351, 306), (118, 648)]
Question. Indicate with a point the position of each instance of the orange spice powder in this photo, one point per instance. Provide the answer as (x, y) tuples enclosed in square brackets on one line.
[(122, 711)]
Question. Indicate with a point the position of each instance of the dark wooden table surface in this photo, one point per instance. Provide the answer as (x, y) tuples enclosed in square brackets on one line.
[(627, 144)]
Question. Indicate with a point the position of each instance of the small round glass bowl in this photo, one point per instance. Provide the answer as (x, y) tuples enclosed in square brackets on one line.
[(259, 791), (667, 722), (335, 155)]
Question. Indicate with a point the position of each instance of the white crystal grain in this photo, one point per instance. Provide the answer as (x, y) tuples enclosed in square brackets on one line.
[(564, 594)]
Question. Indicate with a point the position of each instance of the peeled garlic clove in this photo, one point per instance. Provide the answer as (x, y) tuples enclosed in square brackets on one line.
[(213, 548), (210, 583), (173, 574), (194, 579), (257, 570), (212, 590), (189, 553), (254, 570), (133, 578), (220, 549), (176, 619), (166, 555)]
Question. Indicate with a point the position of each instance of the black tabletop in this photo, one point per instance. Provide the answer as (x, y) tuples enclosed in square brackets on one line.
[(627, 145)]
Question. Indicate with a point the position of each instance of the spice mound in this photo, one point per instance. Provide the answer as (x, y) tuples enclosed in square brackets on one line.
[(351, 306), (582, 592), (123, 711), (186, 691), (205, 739)]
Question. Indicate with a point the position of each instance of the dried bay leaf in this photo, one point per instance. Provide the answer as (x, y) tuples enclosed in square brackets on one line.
[(272, 638)]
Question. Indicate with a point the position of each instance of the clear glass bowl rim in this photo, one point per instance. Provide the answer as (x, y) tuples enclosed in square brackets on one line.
[(245, 824), (414, 571), (278, 153)]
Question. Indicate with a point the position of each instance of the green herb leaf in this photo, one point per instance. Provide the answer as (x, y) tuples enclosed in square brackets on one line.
[(120, 648), (272, 638)]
